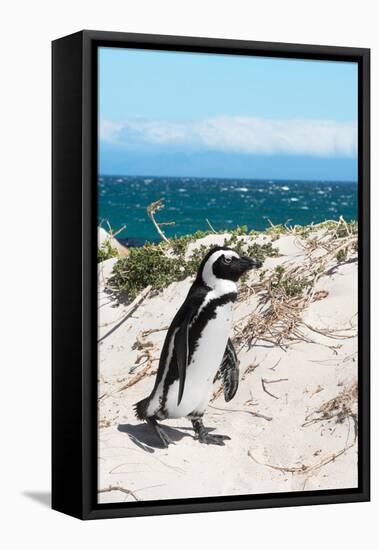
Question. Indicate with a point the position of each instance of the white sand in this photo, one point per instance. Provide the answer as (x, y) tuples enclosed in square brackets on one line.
[(312, 373)]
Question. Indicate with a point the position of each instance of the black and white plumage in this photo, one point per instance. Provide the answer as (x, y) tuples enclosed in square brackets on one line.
[(229, 371), (197, 347)]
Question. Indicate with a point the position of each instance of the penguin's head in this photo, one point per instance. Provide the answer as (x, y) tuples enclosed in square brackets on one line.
[(222, 264)]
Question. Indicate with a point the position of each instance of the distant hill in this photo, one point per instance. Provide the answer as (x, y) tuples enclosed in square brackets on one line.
[(216, 164)]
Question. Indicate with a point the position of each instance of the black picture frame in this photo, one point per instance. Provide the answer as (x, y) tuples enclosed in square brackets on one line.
[(74, 175)]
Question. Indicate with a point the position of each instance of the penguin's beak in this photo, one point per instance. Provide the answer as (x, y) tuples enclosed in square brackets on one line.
[(250, 263)]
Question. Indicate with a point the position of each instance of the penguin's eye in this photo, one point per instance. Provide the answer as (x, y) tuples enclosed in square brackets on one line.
[(227, 260)]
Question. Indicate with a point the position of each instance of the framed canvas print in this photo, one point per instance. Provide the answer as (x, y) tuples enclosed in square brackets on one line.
[(210, 274)]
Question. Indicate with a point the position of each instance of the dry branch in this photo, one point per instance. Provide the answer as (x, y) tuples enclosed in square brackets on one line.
[(151, 210), (339, 408), (258, 415), (113, 234), (284, 294), (119, 488), (305, 468), (264, 381), (210, 226), (136, 378)]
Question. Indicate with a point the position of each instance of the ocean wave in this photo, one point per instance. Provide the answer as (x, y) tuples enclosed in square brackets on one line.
[(189, 201)]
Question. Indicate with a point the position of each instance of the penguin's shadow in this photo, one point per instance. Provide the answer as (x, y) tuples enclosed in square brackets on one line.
[(144, 436)]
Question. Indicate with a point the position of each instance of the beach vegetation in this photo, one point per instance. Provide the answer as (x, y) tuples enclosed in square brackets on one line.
[(341, 255), (106, 251), (289, 285), (340, 229), (158, 265)]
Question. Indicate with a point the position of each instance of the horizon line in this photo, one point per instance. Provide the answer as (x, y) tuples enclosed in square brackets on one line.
[(303, 180)]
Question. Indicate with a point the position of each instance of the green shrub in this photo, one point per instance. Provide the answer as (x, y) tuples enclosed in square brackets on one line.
[(148, 265), (105, 251), (160, 264), (290, 285), (341, 255)]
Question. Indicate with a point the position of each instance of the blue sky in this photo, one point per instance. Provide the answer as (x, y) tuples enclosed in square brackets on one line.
[(166, 113)]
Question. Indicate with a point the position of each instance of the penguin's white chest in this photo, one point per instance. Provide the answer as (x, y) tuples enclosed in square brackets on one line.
[(204, 364)]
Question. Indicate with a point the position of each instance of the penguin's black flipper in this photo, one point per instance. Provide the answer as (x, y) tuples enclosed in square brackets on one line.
[(229, 371), (181, 350)]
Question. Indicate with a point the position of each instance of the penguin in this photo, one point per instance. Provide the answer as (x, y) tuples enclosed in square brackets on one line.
[(197, 348)]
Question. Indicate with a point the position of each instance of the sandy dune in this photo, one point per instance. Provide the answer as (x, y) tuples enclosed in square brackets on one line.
[(278, 440)]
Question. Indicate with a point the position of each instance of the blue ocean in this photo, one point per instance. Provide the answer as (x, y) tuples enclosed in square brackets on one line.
[(226, 203)]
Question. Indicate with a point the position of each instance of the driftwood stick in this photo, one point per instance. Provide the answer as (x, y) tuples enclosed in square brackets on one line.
[(264, 382), (113, 234), (210, 226), (151, 209), (119, 488), (258, 415), (137, 377), (152, 330), (274, 381), (304, 468)]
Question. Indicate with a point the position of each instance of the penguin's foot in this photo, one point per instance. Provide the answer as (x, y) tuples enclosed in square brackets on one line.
[(204, 437), (160, 432), (212, 439)]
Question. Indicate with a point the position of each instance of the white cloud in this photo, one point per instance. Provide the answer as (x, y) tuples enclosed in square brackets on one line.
[(249, 135)]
